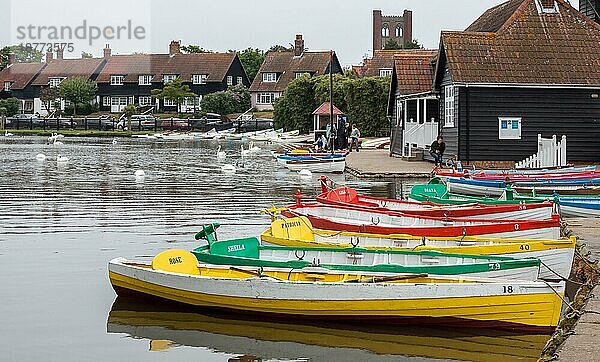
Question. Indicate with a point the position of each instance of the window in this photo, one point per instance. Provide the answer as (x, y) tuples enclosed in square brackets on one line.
[(449, 106), (240, 80), (7, 86), (269, 77), (168, 78), (55, 82), (301, 74), (117, 79), (385, 30), (229, 80), (199, 78), (385, 72), (145, 100), (145, 79), (509, 128), (266, 98), (106, 101), (399, 31), (170, 103), (191, 101), (28, 106)]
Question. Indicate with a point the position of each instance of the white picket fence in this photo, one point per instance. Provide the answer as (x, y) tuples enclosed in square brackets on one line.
[(550, 154), (418, 135)]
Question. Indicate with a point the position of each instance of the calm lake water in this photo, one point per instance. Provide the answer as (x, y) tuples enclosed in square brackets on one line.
[(61, 224)]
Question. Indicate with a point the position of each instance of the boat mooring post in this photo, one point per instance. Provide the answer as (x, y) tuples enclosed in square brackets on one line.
[(331, 133)]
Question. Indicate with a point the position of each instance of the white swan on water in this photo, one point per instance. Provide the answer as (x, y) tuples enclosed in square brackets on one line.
[(228, 168), (40, 157), (220, 154), (61, 159), (55, 137), (8, 134), (57, 142), (244, 152), (305, 173), (253, 148)]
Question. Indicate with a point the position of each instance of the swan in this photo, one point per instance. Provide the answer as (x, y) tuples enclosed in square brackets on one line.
[(221, 154), (57, 142), (54, 137), (140, 173), (305, 173), (253, 148), (61, 159), (228, 168), (8, 134), (114, 141), (40, 157), (244, 152)]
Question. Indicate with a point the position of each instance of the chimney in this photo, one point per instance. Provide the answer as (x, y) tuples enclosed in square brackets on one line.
[(11, 58), (59, 54), (107, 51), (377, 30), (547, 4), (49, 57), (175, 47), (298, 45), (408, 28)]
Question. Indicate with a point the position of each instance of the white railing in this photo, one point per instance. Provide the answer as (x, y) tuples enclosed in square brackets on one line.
[(550, 154), (418, 135)]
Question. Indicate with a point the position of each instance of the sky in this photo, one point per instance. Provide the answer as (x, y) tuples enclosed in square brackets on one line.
[(342, 25)]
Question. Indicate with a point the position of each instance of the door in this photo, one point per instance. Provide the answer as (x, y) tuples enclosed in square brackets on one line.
[(118, 104)]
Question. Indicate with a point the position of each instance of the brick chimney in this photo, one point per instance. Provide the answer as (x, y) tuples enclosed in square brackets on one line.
[(175, 47), (59, 54), (11, 58), (547, 4), (107, 51), (408, 28), (298, 45), (49, 57), (376, 30)]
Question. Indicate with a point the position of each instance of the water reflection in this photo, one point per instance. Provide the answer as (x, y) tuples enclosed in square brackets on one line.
[(167, 325)]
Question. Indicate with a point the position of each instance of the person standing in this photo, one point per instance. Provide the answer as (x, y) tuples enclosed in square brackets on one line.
[(347, 131), (436, 150), (354, 137)]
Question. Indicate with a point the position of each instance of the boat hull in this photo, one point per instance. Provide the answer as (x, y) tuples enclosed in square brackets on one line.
[(336, 165)]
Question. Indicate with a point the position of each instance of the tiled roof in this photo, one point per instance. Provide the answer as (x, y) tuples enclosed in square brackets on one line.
[(132, 66), (215, 65), (493, 19), (324, 110), (69, 68), (414, 71), (286, 65), (382, 59), (529, 48), (20, 74)]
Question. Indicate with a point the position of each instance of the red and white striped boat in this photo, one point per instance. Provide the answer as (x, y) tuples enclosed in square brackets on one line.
[(346, 196), (374, 221), (516, 177)]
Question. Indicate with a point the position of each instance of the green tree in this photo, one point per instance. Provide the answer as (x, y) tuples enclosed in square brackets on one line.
[(78, 91), (12, 106), (294, 109), (86, 55), (281, 48), (252, 59), (175, 91), (219, 102), (413, 45), (340, 88), (194, 49), (241, 95), (49, 97), (367, 104), (22, 55), (128, 112), (391, 44)]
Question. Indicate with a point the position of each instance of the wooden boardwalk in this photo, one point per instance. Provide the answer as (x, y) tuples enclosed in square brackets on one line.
[(378, 164)]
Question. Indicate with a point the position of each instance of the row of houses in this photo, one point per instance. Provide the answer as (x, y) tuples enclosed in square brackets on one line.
[(130, 79), (523, 68)]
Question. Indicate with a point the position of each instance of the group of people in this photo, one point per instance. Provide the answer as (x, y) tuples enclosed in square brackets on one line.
[(346, 137)]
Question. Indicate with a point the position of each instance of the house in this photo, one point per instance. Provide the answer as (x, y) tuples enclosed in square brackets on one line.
[(380, 65), (280, 68), (524, 67), (130, 79), (15, 81), (413, 105)]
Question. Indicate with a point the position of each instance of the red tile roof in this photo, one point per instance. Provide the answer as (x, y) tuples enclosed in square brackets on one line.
[(286, 65), (132, 66), (324, 110), (414, 71), (69, 68), (20, 74), (382, 59), (528, 48)]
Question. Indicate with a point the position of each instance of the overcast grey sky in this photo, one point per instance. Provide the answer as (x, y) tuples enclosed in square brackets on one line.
[(342, 25)]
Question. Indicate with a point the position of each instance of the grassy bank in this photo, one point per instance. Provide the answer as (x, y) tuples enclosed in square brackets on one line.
[(76, 133)]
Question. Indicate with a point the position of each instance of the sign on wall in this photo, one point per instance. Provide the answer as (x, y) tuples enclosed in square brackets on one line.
[(509, 128)]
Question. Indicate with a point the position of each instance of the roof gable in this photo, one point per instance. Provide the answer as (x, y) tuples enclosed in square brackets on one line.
[(414, 71), (20, 74), (382, 59)]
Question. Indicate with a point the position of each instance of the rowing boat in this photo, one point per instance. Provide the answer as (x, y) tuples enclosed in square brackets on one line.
[(579, 206), (481, 175), (346, 196), (496, 188), (438, 193), (249, 252), (318, 165), (175, 275), (342, 218), (556, 256), (561, 190)]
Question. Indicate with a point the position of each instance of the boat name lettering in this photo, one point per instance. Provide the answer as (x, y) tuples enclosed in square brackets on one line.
[(426, 189), (175, 260), (524, 247), (291, 224), (238, 247), (507, 289)]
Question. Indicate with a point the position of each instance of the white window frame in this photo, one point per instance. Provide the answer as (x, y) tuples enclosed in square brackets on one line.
[(54, 82), (117, 79), (510, 132), (385, 72), (28, 105), (449, 94), (170, 103), (169, 78), (300, 74), (106, 101), (269, 77), (230, 80), (7, 86), (199, 78), (240, 80), (145, 101), (265, 98), (145, 79)]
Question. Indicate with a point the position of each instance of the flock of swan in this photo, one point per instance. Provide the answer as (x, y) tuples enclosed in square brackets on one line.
[(228, 167)]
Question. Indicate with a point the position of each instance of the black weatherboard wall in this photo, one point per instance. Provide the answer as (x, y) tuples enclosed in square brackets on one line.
[(574, 112)]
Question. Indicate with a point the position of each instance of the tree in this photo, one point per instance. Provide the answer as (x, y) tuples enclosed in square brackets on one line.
[(218, 102), (129, 111), (11, 105), (413, 45), (241, 95), (194, 49), (22, 55), (367, 104), (2, 117), (294, 109), (281, 48), (391, 44), (49, 97), (252, 59), (78, 91), (86, 55), (340, 88), (175, 91)]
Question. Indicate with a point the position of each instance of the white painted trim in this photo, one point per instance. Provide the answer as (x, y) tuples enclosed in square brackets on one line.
[(529, 85)]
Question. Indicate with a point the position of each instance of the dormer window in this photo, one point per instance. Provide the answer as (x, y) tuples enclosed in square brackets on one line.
[(269, 77), (546, 6), (301, 74), (55, 82), (199, 78), (385, 72), (7, 86), (169, 78), (117, 79), (145, 80)]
